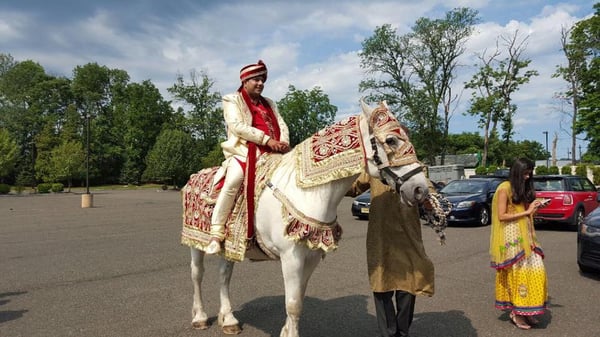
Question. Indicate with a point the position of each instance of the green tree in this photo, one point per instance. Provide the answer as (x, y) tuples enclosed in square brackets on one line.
[(172, 159), (7, 62), (582, 53), (305, 112), (21, 114), (493, 86), (204, 118), (68, 162), (213, 158), (9, 151), (143, 114), (464, 143), (415, 72), (95, 88)]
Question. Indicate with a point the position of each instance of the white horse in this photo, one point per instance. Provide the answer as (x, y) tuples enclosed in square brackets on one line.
[(388, 155)]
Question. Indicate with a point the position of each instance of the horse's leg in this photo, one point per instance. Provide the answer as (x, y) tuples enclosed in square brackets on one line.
[(297, 269), (229, 324), (199, 317)]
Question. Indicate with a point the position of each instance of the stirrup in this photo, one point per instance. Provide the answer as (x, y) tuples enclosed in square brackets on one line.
[(214, 247)]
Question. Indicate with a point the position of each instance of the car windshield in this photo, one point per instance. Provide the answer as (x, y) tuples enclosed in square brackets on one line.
[(465, 186)]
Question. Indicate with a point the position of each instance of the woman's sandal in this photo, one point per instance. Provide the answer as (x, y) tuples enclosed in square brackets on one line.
[(521, 325), (532, 320)]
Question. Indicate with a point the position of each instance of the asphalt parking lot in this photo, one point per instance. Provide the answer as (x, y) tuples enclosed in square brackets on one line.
[(117, 269)]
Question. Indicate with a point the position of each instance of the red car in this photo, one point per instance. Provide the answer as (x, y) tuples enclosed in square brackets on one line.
[(571, 198)]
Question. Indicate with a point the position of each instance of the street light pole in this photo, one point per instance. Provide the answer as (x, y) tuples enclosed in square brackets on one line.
[(546, 133), (87, 154), (87, 198)]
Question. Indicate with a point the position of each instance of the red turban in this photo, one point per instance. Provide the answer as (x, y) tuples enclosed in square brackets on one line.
[(253, 70)]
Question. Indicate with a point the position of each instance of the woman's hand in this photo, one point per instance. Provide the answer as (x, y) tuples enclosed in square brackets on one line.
[(533, 207)]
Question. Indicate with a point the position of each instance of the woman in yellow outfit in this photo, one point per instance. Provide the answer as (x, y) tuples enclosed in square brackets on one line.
[(515, 252)]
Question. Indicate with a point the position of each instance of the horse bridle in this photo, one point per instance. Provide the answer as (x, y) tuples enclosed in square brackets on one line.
[(385, 168)]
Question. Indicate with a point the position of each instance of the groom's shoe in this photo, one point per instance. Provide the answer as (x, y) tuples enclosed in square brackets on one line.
[(214, 247)]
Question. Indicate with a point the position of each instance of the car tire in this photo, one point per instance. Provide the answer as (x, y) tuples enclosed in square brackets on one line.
[(586, 270), (484, 216), (578, 218)]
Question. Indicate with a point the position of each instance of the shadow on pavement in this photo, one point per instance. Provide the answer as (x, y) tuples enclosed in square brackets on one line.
[(10, 315)]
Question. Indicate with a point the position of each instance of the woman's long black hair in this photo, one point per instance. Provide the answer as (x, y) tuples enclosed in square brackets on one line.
[(523, 190)]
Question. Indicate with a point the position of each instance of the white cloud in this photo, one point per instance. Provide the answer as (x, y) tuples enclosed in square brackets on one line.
[(12, 24), (309, 43)]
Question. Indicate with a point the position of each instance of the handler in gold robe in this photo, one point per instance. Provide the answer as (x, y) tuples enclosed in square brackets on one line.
[(397, 263)]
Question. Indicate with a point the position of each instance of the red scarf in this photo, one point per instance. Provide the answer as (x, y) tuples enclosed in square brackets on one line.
[(263, 118)]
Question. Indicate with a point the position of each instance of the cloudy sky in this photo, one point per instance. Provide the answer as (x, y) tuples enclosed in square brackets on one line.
[(304, 43)]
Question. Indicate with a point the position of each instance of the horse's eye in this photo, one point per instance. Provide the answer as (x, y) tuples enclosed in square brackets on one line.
[(391, 141)]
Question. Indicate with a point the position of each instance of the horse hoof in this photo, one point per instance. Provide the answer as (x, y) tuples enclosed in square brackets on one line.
[(200, 325), (232, 329)]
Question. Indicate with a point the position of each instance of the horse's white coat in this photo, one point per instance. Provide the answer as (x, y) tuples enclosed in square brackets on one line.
[(297, 260)]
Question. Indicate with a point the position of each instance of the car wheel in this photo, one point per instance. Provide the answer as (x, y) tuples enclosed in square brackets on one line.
[(484, 216), (578, 219)]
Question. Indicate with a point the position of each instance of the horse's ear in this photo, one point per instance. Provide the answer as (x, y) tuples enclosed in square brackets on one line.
[(366, 109)]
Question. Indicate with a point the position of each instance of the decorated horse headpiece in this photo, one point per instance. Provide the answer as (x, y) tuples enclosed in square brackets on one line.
[(393, 138), (387, 130)]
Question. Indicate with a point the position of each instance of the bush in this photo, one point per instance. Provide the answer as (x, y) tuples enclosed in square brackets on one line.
[(491, 169), (596, 175), (57, 187), (541, 170), (480, 170), (44, 187), (19, 189), (4, 189), (581, 170), (566, 170), (553, 170)]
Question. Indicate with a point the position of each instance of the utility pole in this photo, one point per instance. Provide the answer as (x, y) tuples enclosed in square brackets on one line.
[(87, 198), (546, 134)]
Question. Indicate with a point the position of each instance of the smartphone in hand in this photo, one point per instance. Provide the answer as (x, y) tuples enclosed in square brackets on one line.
[(543, 202)]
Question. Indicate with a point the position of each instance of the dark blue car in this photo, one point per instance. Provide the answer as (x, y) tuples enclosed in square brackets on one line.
[(588, 243), (471, 200)]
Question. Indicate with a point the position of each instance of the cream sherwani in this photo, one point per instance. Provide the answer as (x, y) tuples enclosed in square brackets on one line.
[(238, 119), (240, 131)]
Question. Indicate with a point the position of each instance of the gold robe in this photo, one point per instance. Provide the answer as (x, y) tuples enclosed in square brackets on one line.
[(396, 257)]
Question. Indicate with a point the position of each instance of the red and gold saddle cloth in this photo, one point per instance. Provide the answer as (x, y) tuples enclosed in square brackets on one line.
[(199, 196)]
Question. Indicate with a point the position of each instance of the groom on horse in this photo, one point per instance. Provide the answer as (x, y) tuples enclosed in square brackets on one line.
[(254, 127)]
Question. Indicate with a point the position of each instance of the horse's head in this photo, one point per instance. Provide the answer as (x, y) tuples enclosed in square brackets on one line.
[(391, 156)]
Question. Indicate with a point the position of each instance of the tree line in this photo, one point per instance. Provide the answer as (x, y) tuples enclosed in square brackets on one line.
[(416, 74), (51, 126)]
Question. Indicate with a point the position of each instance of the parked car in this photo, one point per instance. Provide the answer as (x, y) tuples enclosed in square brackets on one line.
[(362, 203), (471, 199), (588, 243), (571, 198)]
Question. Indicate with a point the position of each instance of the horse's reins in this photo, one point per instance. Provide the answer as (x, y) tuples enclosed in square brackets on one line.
[(385, 168)]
